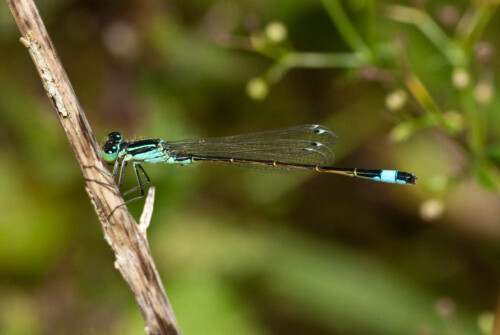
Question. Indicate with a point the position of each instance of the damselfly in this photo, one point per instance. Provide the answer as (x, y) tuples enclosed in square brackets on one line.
[(306, 147)]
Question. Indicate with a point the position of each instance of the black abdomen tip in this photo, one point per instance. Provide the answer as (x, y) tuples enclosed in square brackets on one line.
[(406, 178)]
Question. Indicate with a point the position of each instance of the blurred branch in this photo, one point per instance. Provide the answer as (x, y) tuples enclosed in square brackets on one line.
[(430, 29), (346, 28), (322, 60), (434, 114), (133, 256), (476, 122), (312, 60), (421, 95), (474, 21), (369, 23)]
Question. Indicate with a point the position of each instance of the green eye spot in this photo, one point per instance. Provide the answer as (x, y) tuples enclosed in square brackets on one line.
[(109, 152), (109, 157)]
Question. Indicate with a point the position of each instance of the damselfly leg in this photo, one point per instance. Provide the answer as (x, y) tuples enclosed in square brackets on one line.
[(138, 170), (103, 171)]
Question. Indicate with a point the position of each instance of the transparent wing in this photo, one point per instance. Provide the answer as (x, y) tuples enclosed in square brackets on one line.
[(305, 144)]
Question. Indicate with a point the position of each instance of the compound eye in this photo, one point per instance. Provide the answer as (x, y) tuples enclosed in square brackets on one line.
[(112, 149), (114, 137), (109, 152)]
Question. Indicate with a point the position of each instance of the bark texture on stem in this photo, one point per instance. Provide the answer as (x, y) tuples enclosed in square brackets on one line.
[(133, 256)]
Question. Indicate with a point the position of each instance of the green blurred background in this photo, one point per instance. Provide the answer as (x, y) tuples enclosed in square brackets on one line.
[(408, 85)]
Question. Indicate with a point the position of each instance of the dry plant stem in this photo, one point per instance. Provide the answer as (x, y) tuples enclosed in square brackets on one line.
[(133, 256), (147, 212)]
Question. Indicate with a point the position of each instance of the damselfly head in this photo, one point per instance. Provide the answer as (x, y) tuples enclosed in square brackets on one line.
[(109, 152), (111, 147)]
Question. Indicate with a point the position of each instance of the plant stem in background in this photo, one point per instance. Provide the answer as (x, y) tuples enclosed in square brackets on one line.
[(473, 23), (346, 29), (430, 29), (312, 60)]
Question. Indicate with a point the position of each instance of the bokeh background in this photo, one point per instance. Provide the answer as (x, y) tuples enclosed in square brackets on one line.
[(408, 85)]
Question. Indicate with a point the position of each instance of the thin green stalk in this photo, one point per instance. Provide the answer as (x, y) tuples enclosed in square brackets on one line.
[(471, 27), (426, 101), (369, 23), (346, 28), (322, 60), (430, 29), (475, 122), (312, 60)]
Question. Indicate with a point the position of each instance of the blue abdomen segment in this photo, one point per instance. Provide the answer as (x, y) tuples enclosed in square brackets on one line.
[(389, 176)]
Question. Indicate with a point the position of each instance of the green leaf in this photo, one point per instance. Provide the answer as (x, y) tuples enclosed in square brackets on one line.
[(488, 177), (493, 153)]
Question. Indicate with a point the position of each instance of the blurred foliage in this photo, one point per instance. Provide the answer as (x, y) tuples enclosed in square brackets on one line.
[(407, 85)]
